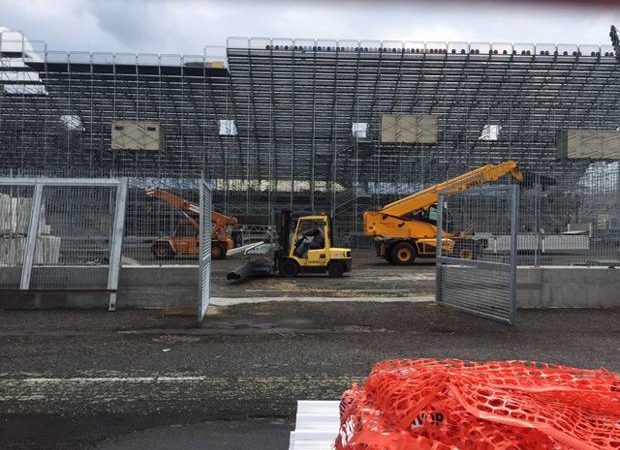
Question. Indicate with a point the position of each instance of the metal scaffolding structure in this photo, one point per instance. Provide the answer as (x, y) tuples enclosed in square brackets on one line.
[(297, 123)]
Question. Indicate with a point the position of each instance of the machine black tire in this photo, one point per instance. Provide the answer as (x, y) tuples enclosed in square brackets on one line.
[(336, 269), (388, 255), (218, 251), (288, 268), (403, 254), (162, 250), (478, 249)]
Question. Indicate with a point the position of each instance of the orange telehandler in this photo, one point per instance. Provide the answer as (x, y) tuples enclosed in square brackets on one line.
[(185, 241), (406, 228)]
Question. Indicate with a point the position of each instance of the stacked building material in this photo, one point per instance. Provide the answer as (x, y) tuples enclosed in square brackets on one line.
[(14, 223), (47, 250), (548, 242), (15, 215)]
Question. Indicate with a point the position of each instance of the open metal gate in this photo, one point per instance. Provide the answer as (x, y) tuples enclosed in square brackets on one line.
[(204, 265), (477, 251)]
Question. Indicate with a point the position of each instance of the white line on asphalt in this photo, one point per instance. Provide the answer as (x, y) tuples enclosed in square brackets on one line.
[(151, 379)]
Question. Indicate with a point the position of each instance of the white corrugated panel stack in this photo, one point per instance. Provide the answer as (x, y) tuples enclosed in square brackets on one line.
[(316, 425), (15, 215), (548, 242), (47, 250), (14, 224)]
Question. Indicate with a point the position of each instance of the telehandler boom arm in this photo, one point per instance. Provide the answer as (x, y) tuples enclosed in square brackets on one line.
[(191, 211), (429, 196), (391, 222)]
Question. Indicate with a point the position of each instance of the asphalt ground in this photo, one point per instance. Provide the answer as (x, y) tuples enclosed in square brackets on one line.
[(144, 380)]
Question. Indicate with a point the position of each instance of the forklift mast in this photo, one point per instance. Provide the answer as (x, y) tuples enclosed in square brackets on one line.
[(330, 221), (284, 231)]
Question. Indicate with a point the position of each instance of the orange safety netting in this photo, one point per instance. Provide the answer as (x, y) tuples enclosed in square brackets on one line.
[(428, 404)]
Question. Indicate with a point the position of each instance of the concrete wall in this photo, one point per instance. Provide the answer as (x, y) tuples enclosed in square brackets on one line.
[(158, 287), (568, 287), (171, 287), (176, 287)]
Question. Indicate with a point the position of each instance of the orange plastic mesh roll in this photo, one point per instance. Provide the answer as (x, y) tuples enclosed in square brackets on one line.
[(428, 404)]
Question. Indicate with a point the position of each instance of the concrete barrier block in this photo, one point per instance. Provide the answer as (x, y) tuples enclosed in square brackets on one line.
[(568, 287)]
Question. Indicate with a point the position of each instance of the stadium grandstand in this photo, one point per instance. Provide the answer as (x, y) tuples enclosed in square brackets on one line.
[(312, 125)]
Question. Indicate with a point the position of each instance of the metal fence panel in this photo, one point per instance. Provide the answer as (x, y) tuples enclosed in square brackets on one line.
[(472, 275), (572, 224), (206, 209), (75, 230), (62, 234), (15, 214)]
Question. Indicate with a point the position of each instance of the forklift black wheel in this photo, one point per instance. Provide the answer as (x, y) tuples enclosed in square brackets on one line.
[(218, 252), (403, 254), (335, 269), (288, 268), (162, 250)]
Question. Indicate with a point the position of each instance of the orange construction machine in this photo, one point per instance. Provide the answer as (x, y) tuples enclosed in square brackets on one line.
[(407, 228), (185, 240)]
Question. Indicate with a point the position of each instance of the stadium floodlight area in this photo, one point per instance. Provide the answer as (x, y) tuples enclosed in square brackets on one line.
[(298, 123)]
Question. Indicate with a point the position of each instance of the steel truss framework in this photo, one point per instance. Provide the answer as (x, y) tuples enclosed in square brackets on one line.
[(294, 103)]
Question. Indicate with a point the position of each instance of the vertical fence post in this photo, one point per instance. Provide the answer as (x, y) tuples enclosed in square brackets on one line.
[(117, 242), (514, 226), (617, 227), (538, 193), (31, 241), (438, 249)]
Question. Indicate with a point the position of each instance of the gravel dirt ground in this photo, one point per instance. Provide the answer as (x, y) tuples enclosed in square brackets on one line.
[(141, 379), (370, 277), (76, 379)]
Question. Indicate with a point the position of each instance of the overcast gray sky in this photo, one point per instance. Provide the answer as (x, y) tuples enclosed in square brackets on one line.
[(186, 26)]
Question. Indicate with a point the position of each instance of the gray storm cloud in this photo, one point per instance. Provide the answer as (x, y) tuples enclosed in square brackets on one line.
[(132, 23), (166, 26)]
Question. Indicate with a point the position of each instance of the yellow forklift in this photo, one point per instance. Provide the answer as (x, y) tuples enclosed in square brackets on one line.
[(309, 249), (306, 250)]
